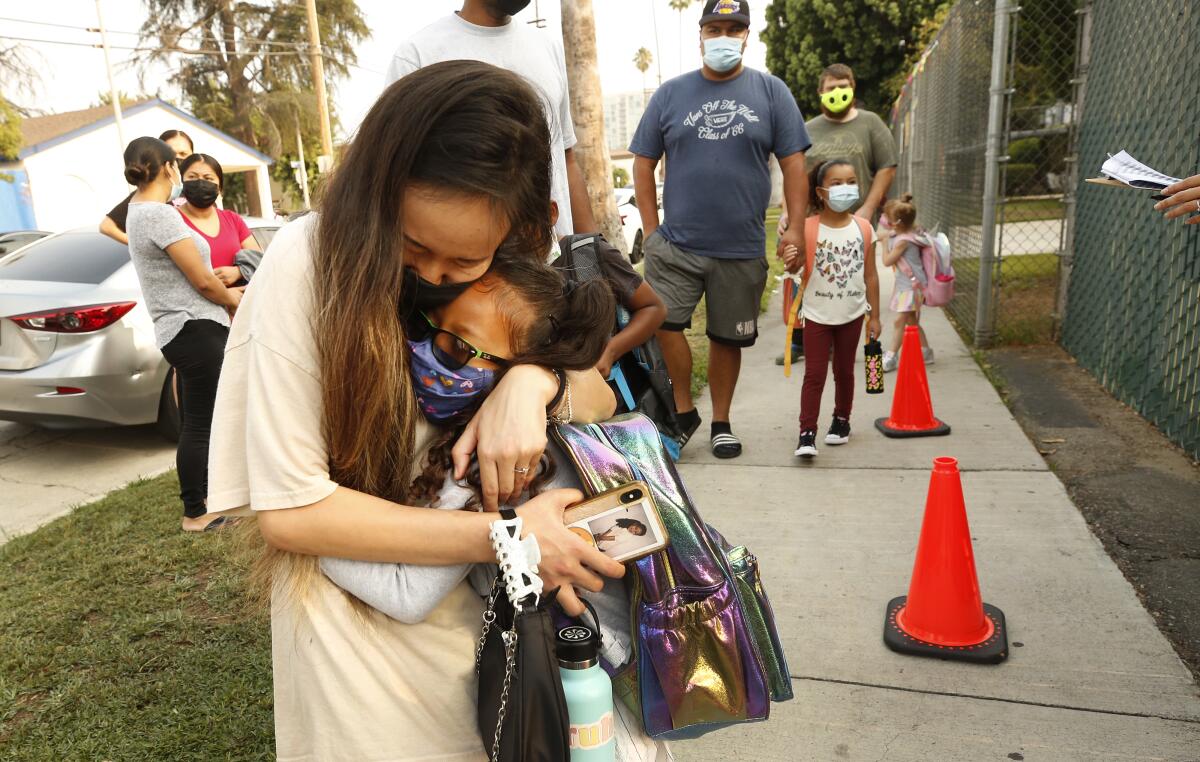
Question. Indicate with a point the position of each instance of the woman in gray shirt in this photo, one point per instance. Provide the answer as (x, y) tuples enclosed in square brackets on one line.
[(189, 305)]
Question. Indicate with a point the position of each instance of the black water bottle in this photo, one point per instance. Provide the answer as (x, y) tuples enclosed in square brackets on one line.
[(873, 355)]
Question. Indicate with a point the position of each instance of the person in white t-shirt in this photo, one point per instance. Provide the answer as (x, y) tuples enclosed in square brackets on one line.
[(485, 31), (318, 431), (841, 290)]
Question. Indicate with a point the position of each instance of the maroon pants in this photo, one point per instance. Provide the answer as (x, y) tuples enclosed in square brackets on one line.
[(821, 341)]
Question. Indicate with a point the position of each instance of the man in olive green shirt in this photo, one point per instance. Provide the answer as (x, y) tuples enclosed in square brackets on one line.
[(857, 135), (844, 131)]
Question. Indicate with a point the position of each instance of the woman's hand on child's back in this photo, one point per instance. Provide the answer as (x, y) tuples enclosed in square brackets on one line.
[(567, 561)]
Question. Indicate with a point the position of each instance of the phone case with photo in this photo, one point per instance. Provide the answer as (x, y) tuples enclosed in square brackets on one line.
[(623, 523)]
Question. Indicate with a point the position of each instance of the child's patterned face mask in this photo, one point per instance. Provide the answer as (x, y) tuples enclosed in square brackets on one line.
[(441, 392)]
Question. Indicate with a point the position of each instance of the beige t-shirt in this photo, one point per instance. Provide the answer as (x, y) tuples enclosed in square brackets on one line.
[(344, 688)]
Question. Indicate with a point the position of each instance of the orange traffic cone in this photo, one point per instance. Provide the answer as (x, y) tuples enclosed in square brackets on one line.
[(943, 614), (912, 410)]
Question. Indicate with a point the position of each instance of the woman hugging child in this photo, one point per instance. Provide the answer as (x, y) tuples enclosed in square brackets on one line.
[(902, 251), (521, 312), (841, 286)]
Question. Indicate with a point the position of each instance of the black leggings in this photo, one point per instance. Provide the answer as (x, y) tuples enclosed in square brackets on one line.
[(196, 353)]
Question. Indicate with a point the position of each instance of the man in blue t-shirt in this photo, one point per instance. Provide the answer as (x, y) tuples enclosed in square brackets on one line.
[(717, 127)]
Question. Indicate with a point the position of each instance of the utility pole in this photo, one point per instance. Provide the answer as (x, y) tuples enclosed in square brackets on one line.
[(657, 47), (112, 87), (318, 73)]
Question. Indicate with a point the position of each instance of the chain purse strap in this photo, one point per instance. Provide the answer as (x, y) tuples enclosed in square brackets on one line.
[(518, 560)]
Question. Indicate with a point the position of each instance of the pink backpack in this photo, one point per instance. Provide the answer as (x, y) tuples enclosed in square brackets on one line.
[(935, 258)]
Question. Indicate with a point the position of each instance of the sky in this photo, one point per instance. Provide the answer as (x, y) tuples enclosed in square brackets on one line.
[(73, 77)]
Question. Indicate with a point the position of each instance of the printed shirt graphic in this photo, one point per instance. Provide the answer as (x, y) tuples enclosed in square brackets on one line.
[(718, 138), (837, 289)]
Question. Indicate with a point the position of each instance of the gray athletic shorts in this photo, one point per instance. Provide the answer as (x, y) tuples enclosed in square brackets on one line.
[(732, 289)]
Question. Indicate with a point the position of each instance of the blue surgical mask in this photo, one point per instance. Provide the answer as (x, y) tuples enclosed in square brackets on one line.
[(842, 197), (176, 189), (723, 54), (441, 392)]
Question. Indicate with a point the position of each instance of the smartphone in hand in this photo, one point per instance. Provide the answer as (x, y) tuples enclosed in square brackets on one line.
[(622, 523)]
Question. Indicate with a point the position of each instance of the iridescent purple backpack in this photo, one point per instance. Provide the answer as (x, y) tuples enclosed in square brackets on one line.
[(706, 653)]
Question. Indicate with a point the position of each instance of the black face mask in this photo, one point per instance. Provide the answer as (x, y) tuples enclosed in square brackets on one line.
[(509, 7), (416, 293), (200, 193)]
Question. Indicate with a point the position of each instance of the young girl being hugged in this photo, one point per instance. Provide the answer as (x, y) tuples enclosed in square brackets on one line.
[(841, 287), (902, 250)]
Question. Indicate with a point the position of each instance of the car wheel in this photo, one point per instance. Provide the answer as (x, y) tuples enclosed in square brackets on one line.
[(636, 253), (169, 422)]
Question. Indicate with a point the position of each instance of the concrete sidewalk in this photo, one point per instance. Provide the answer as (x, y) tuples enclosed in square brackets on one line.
[(1089, 677)]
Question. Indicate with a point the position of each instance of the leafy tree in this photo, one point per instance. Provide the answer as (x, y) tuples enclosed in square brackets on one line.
[(873, 37), (17, 74), (642, 60), (620, 177), (679, 6), (244, 67), (10, 132)]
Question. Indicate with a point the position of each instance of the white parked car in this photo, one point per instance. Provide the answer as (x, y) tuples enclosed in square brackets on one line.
[(631, 220), (76, 341)]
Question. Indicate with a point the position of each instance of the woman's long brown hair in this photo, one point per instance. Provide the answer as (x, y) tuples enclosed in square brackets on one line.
[(461, 128)]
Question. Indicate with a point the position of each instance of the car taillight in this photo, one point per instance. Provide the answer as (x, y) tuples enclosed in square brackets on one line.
[(622, 219), (93, 317)]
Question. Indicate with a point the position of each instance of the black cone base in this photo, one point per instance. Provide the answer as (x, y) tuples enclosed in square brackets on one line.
[(991, 651), (941, 430)]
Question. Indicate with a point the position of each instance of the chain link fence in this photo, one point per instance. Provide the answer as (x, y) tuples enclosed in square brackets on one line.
[(1132, 296), (941, 126)]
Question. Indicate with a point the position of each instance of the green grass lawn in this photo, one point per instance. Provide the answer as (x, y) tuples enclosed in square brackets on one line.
[(123, 638), (1017, 209)]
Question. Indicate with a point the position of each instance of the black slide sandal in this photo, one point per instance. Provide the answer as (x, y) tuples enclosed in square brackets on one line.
[(726, 445)]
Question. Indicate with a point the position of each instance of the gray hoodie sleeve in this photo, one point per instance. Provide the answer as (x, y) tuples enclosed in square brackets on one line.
[(406, 592)]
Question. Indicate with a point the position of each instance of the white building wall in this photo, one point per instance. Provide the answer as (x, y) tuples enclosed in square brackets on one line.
[(74, 183)]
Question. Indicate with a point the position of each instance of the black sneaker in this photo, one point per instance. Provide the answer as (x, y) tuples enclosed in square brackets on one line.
[(807, 447), (839, 431)]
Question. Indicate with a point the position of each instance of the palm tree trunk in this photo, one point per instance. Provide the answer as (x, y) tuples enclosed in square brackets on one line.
[(587, 110)]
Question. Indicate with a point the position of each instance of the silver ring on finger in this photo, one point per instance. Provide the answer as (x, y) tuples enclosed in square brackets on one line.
[(1198, 205), (521, 469)]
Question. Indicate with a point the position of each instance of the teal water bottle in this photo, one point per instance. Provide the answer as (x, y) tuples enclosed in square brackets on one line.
[(588, 691)]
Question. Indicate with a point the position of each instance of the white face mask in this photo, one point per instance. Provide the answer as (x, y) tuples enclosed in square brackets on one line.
[(842, 197), (176, 186)]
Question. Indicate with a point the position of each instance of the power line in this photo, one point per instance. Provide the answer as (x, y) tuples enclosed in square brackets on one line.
[(186, 51), (256, 40)]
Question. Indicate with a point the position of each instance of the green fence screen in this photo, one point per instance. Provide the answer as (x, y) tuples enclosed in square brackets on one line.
[(1132, 313)]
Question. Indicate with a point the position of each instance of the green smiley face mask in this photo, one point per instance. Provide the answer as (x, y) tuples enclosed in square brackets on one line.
[(838, 99)]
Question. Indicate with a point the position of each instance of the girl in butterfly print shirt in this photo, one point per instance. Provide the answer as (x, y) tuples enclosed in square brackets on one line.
[(841, 287)]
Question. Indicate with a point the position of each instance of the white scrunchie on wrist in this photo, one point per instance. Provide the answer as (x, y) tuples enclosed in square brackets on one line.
[(518, 560)]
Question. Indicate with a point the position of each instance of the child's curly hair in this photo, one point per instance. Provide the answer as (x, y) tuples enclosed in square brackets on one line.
[(554, 324)]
